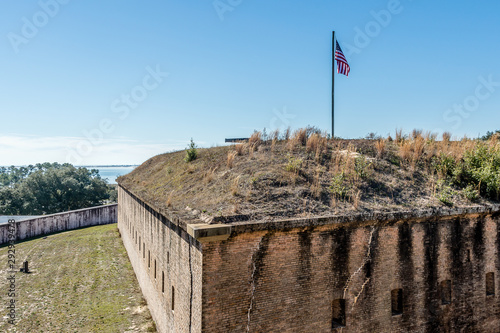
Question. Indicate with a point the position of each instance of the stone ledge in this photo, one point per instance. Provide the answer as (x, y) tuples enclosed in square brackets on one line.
[(209, 232)]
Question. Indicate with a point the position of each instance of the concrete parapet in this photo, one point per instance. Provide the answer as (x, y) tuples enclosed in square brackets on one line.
[(69, 220)]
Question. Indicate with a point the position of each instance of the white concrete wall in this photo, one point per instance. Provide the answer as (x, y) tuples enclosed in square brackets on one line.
[(48, 224)]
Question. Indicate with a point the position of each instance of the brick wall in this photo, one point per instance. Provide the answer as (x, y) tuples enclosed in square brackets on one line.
[(289, 280), (436, 272), (150, 238)]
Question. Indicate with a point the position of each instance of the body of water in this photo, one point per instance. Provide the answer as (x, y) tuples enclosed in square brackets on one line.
[(6, 218), (112, 172)]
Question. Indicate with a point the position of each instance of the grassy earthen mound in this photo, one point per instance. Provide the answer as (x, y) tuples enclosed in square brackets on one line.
[(304, 174)]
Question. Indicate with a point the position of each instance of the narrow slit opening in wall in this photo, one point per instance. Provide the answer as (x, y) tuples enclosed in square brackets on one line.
[(155, 270), (490, 284), (173, 297), (162, 282), (397, 302), (143, 252), (445, 287), (338, 313), (149, 259), (139, 243), (168, 257)]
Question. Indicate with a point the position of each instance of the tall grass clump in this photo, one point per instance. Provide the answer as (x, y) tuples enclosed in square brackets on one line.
[(255, 140), (380, 146), (230, 158)]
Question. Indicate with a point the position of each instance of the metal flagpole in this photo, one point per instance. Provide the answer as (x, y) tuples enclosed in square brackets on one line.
[(333, 84)]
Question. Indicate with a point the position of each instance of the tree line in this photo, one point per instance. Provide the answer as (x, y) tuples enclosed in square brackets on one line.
[(47, 188)]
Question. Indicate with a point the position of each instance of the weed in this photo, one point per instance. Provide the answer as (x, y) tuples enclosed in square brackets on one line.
[(471, 193), (361, 166), (338, 187), (294, 164), (445, 193)]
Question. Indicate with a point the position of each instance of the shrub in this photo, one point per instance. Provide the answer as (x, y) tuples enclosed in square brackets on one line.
[(191, 152), (445, 194), (471, 194)]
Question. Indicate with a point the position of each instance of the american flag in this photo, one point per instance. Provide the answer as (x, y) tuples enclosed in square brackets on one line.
[(342, 65)]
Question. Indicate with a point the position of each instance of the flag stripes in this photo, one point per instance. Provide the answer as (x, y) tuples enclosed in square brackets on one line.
[(342, 65)]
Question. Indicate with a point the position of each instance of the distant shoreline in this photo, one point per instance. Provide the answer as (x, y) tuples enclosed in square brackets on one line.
[(83, 166), (107, 166)]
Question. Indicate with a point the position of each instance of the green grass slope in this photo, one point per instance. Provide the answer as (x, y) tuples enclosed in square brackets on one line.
[(80, 281)]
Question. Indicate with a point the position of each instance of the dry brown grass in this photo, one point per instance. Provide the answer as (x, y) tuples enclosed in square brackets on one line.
[(255, 140), (405, 150), (380, 146), (240, 149), (275, 135), (399, 135), (355, 199), (418, 147), (416, 133), (209, 176), (317, 143), (230, 158), (446, 137), (286, 135), (273, 144), (316, 185), (236, 208), (299, 138), (251, 149), (169, 199), (235, 185), (312, 142)]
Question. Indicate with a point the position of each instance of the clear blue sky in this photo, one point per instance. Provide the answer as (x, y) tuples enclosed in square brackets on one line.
[(84, 67)]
